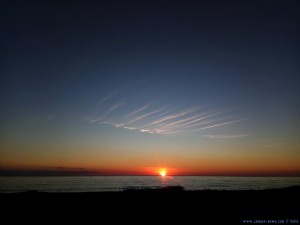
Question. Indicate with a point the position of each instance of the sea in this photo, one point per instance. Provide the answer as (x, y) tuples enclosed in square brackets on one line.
[(119, 183)]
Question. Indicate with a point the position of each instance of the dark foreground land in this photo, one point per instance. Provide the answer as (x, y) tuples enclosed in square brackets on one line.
[(160, 206)]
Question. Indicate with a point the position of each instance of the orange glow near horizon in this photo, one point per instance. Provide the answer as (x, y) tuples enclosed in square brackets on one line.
[(174, 165), (152, 171)]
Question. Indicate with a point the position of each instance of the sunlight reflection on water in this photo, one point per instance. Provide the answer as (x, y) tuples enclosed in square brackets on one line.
[(117, 183)]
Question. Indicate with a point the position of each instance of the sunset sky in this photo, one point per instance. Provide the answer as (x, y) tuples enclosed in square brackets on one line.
[(131, 87)]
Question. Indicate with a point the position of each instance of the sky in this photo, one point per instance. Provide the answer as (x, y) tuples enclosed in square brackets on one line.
[(131, 87)]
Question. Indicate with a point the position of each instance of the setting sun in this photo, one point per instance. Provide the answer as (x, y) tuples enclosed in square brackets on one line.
[(163, 173)]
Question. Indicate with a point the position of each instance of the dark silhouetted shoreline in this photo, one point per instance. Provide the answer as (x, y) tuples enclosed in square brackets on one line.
[(168, 204)]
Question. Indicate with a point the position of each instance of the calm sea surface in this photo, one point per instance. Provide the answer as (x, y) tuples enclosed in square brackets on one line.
[(117, 183)]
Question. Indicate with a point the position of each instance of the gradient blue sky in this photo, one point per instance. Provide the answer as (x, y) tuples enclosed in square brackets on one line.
[(127, 86)]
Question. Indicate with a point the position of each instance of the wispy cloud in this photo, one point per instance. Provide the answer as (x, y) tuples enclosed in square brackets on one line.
[(114, 107), (226, 136), (140, 117), (170, 117), (137, 111), (192, 122), (218, 125), (107, 97), (179, 122), (167, 120), (104, 115)]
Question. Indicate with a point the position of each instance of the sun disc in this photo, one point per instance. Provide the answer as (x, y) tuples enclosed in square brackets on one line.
[(163, 173)]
